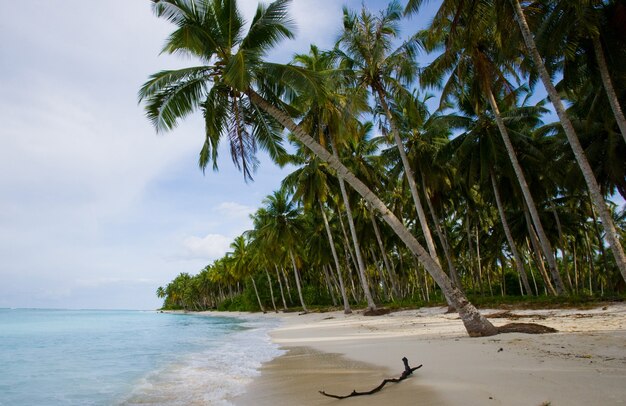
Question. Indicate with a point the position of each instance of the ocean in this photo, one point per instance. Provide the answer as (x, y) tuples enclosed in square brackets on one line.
[(96, 357)]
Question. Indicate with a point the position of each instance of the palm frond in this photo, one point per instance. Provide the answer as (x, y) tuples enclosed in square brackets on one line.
[(172, 95), (269, 26), (216, 118), (243, 146)]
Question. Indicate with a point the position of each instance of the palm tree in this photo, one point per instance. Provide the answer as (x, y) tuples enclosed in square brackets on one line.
[(426, 134), (477, 65), (260, 257), (281, 225), (479, 155), (590, 179), (578, 32), (367, 42), (310, 184), (324, 119), (266, 252), (512, 10), (355, 240), (240, 262), (234, 88)]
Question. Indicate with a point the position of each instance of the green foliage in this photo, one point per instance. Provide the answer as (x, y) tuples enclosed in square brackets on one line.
[(316, 296), (235, 304), (511, 283)]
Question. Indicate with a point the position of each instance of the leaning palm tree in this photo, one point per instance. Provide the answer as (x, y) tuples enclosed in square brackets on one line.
[(366, 47), (480, 152), (578, 32), (237, 92), (509, 10), (579, 153), (476, 65), (323, 118)]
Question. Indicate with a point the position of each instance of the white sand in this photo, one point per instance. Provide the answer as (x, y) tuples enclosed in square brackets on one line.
[(583, 364)]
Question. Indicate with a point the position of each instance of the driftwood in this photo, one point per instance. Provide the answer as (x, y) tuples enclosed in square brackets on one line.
[(407, 371)]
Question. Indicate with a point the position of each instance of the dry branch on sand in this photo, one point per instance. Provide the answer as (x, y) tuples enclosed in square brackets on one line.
[(407, 371)]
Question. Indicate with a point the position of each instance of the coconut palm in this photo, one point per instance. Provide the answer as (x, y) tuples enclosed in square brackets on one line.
[(477, 66), (310, 184), (325, 120), (236, 91), (577, 33), (366, 47), (579, 153), (267, 253), (260, 256), (425, 135), (240, 262), (280, 224), (480, 152), (509, 10)]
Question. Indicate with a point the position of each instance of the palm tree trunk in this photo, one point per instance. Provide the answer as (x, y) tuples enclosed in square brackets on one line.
[(287, 283), (596, 228), (329, 286), (474, 322), (608, 85), (381, 274), (470, 250), (564, 246), (591, 268), (256, 292), (536, 251), (442, 238), (479, 260), (331, 242), (295, 272), (572, 138), (347, 255), (280, 284), (269, 283), (390, 272), (530, 203), (509, 236), (410, 177), (355, 240), (575, 259), (350, 257)]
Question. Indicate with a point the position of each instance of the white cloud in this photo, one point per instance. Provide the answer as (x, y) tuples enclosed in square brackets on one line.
[(235, 210), (107, 281), (209, 247)]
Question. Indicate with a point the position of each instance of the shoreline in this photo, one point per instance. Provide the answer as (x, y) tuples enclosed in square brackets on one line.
[(583, 363)]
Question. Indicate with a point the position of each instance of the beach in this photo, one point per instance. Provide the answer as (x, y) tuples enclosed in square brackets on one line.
[(584, 363)]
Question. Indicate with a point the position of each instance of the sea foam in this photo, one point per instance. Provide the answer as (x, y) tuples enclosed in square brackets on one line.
[(213, 376)]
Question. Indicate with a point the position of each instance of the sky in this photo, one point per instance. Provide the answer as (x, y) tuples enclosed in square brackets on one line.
[(96, 209)]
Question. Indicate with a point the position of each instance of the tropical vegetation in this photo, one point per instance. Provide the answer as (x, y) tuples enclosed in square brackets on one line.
[(506, 202)]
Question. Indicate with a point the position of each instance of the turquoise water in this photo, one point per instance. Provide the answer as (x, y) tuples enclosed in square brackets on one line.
[(91, 357)]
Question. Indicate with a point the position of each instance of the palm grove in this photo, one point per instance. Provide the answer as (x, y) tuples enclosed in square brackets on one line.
[(391, 201)]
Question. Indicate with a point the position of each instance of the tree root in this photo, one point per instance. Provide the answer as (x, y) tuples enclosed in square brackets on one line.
[(407, 371), (526, 328)]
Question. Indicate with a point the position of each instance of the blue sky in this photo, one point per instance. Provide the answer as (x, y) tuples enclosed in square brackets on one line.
[(96, 210)]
